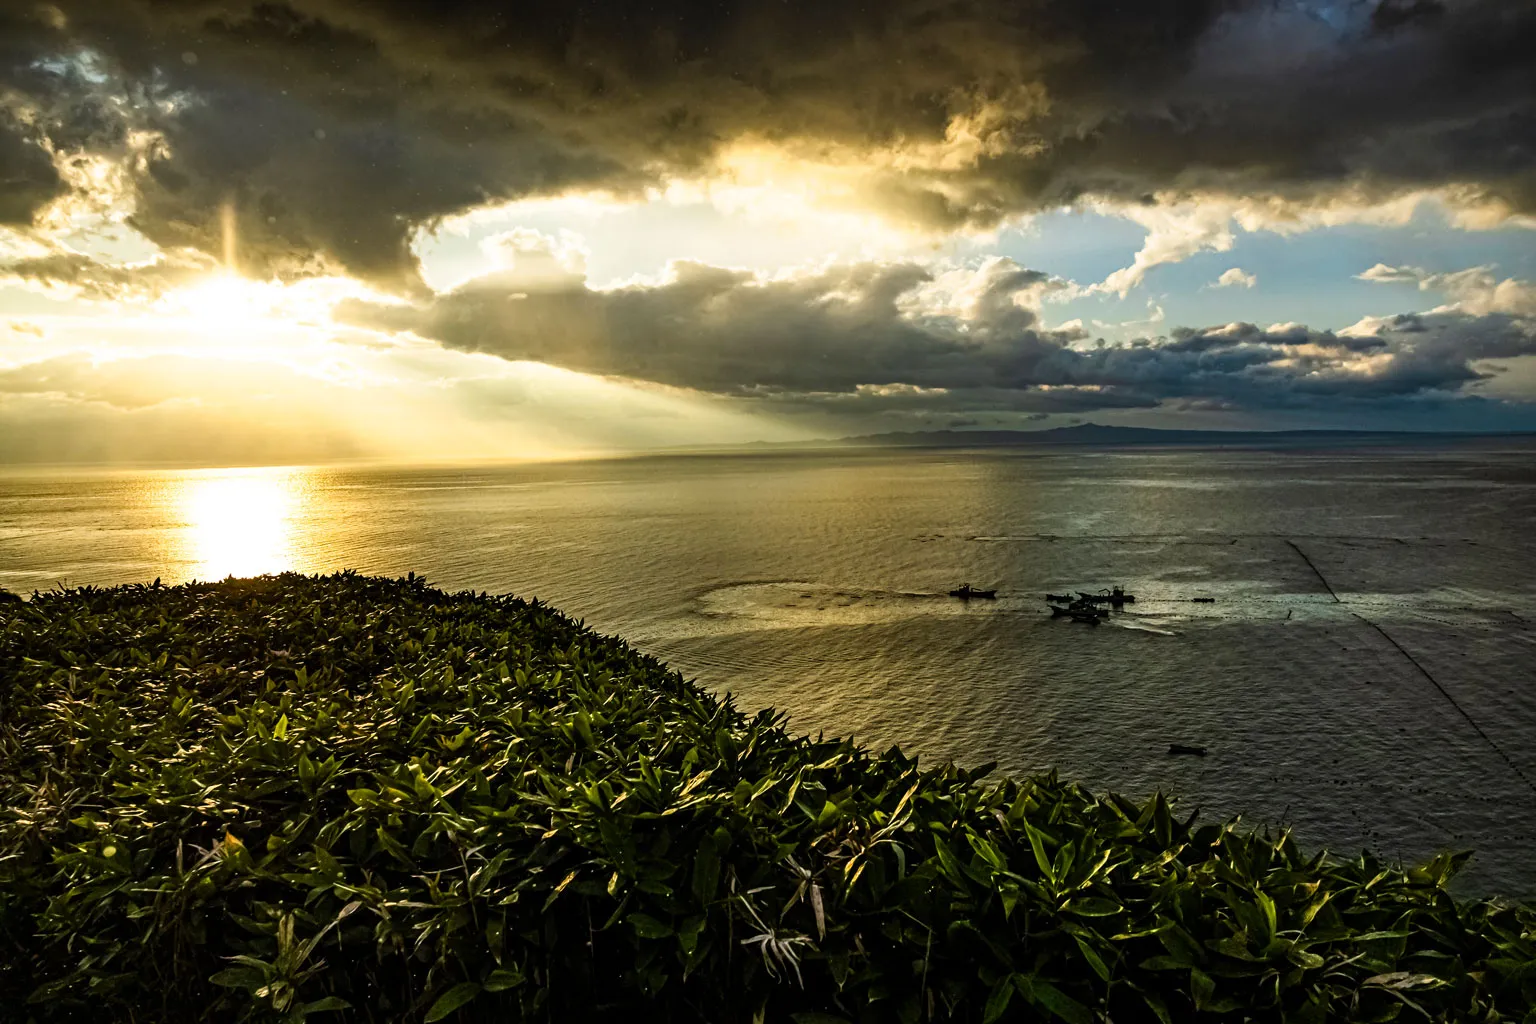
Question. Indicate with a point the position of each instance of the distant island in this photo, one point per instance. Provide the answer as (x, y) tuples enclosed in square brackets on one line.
[(1099, 434)]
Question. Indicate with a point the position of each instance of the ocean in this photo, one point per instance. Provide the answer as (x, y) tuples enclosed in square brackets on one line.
[(1364, 675)]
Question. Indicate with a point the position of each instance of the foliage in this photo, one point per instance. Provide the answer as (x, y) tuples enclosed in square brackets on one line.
[(353, 798)]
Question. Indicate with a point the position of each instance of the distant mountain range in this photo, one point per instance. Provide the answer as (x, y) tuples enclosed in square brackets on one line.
[(1098, 434)]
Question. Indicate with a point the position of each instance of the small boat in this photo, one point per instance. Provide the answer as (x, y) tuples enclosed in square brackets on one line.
[(1060, 598), (1080, 611), (1203, 600), (965, 592), (1114, 596), (1181, 748)]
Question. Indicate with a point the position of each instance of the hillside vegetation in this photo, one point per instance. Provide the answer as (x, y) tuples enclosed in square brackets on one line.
[(349, 798)]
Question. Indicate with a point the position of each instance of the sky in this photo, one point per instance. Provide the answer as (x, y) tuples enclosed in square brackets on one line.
[(237, 232)]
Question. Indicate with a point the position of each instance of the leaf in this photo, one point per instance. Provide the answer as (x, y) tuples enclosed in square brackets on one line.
[(239, 977), (452, 999), (1201, 988), (1267, 907), (1093, 958), (1093, 906), (706, 871), (1303, 959), (695, 782), (1042, 993), (1404, 980), (1157, 1006), (557, 890), (647, 927), (688, 934), (1181, 946), (502, 979), (997, 1002), (949, 865), (1042, 860), (1164, 963), (323, 1005)]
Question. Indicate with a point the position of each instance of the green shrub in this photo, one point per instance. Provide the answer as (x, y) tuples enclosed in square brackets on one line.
[(366, 799)]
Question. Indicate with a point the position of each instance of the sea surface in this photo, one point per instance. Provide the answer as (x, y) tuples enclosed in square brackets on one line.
[(1366, 673)]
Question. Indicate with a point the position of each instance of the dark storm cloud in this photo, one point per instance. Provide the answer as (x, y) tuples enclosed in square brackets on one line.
[(338, 126), (859, 335), (28, 179), (1292, 366), (725, 331), (84, 277)]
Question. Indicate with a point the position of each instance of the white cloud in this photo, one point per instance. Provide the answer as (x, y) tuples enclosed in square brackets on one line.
[(1174, 233), (1476, 290), (1181, 225), (1236, 277)]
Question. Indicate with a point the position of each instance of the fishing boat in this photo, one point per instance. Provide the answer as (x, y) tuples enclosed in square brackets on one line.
[(1115, 596), (1080, 611), (1086, 607), (965, 592)]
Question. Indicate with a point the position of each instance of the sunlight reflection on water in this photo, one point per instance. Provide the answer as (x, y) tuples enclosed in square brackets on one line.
[(238, 522)]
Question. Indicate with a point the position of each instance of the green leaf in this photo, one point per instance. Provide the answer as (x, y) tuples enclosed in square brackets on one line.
[(1201, 988), (997, 1002), (1093, 906), (706, 871), (1267, 907), (452, 999), (688, 934), (1400, 980), (554, 893), (647, 927), (1157, 1006), (1301, 958), (949, 865), (502, 979), (1181, 946), (239, 977), (1092, 957), (1042, 860), (1042, 993), (323, 1005), (1164, 963)]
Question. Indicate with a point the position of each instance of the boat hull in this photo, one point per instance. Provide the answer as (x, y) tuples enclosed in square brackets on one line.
[(966, 595)]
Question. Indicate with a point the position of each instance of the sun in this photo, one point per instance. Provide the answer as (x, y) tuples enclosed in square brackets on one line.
[(221, 302)]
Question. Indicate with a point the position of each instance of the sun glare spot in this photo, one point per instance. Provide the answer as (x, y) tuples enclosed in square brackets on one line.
[(221, 302), (239, 522)]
